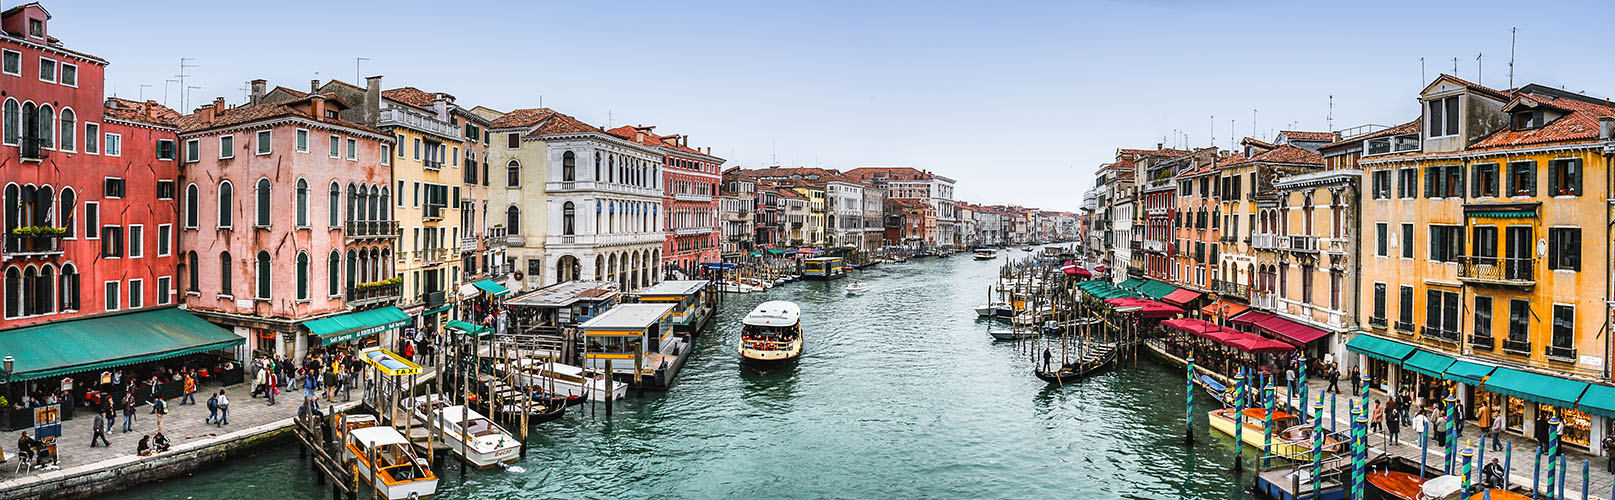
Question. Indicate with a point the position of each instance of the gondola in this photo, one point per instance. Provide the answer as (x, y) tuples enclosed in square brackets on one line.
[(1098, 357)]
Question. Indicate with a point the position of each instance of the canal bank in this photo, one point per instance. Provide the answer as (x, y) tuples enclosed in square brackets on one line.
[(900, 392)]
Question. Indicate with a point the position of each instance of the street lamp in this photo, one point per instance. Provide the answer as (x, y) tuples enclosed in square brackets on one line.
[(9, 364)]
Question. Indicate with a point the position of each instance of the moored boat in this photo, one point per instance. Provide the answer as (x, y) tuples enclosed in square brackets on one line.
[(1291, 439), (1394, 485), (985, 254), (771, 333), (1097, 357), (1009, 334), (397, 473), (565, 380), (472, 436)]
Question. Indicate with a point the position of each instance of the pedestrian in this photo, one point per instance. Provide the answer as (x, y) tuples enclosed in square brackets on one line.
[(160, 407), (1492, 475), (271, 388), (1498, 420), (190, 390), (128, 412), (224, 409), (1609, 452), (144, 448), (1376, 419), (101, 432), (155, 394), (309, 381), (1356, 380), (1421, 423), (1393, 423), (1334, 378), (1441, 429), (1406, 402), (107, 411), (1483, 416), (260, 380), (212, 409), (1047, 355), (330, 379)]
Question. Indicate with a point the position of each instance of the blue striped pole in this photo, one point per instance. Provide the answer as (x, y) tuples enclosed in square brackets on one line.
[(1452, 432), (1332, 420), (1188, 406), (1482, 457), (1562, 481), (1317, 447), (1267, 425), (1586, 477), (1301, 384), (1469, 454), (1508, 463), (1360, 434), (1553, 453), (1239, 419), (1536, 474), (1424, 449), (1365, 391)]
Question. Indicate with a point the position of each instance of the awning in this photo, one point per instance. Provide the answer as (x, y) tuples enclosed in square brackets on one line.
[(356, 325), (1182, 297), (1147, 308), (437, 309), (1253, 343), (107, 341), (1225, 308), (1156, 289), (1529, 386), (493, 288), (774, 251), (467, 328), (1598, 400), (1428, 363), (1203, 329), (1250, 318), (1520, 214), (1378, 348), (1468, 373), (1296, 333), (1100, 269), (1131, 283), (1104, 290)]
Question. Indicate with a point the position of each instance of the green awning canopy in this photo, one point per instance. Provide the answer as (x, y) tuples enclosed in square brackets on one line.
[(1104, 290), (1529, 386), (1598, 400), (1428, 363), (468, 328), (1131, 283), (756, 254), (1501, 214), (493, 288), (775, 251), (94, 343), (1378, 348), (356, 325), (1156, 289), (437, 309), (1468, 373)]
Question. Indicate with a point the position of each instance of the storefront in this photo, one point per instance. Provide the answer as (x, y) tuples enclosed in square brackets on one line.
[(357, 329), (1380, 355), (1535, 397), (1599, 404)]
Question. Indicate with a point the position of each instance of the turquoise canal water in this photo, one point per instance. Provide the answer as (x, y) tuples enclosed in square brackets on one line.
[(900, 394)]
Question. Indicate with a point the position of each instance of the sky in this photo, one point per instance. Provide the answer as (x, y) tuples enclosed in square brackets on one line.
[(1018, 102)]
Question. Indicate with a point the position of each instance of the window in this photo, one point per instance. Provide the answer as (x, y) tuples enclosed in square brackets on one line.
[(1446, 243), (136, 293), (1380, 236), (1564, 331), (1443, 117), (92, 220), (386, 154), (302, 140), (193, 151), (193, 273), (226, 205), (399, 142), (1483, 317), (112, 187), (137, 241), (111, 242), (68, 201), (513, 174), (1407, 183), (302, 276), (165, 235), (92, 138), (70, 75), (114, 145), (263, 203), (1379, 301), (227, 147), (569, 168), (513, 140), (263, 269), (353, 150), (164, 284), (264, 142), (1522, 178), (1564, 248), (335, 205), (1526, 120), (68, 125), (225, 270), (1483, 244), (47, 70), (1564, 177), (1443, 181), (333, 274), (165, 190), (1404, 311), (513, 219), (113, 289), (569, 215), (1519, 323), (1485, 182), (12, 123), (455, 156), (302, 202), (12, 62), (1382, 184), (417, 154), (336, 146), (191, 206), (1441, 314), (165, 149)]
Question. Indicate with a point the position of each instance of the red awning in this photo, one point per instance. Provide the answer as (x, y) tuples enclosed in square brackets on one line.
[(1250, 317), (1148, 308), (1203, 329), (1099, 269), (1181, 296), (1253, 343), (1296, 333), (1223, 309)]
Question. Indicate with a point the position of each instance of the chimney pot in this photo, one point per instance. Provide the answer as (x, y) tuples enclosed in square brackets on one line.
[(372, 100), (258, 90), (218, 105), (314, 86), (317, 106), (1606, 127)]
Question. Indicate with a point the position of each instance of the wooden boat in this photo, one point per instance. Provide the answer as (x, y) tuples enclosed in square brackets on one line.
[(771, 333), (1393, 485), (1009, 334), (1098, 357), (399, 474), (1499, 494), (488, 443), (566, 380), (1290, 437)]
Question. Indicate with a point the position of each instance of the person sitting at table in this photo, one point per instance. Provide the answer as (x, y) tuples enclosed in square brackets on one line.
[(160, 442), (27, 446), (144, 448)]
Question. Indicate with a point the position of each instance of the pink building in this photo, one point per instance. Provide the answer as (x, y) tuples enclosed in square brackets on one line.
[(287, 220), (689, 198)]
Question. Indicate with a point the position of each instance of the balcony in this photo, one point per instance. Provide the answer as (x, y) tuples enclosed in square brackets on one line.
[(495, 235), (434, 299), (433, 165), (1155, 211), (1230, 289), (1337, 246), (468, 244), (1484, 342), (1441, 335), (1377, 322), (1266, 241), (32, 246), (1405, 327), (1562, 354), (418, 121), (33, 149), (1266, 301), (692, 231), (1520, 347), (1154, 246), (432, 213), (1300, 243), (370, 229), (515, 240), (704, 198), (1505, 271), (380, 292)]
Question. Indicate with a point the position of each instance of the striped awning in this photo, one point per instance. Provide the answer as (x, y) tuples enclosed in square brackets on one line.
[(1511, 214)]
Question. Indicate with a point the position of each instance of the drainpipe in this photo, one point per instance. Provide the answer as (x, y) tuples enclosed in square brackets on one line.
[(1606, 131)]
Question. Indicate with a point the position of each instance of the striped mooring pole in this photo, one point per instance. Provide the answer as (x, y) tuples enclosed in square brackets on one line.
[(1239, 419), (1451, 449), (1317, 447), (1359, 433), (1188, 404), (1469, 454), (1553, 454), (1301, 385), (1267, 426)]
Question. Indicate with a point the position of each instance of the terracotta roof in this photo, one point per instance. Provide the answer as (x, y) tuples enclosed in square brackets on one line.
[(1257, 142), (1162, 152), (1233, 159), (148, 112), (1285, 154), (643, 135), (1309, 136), (246, 114), (802, 175), (1411, 127), (1472, 86), (547, 122), (296, 93), (1581, 124), (893, 173), (408, 95)]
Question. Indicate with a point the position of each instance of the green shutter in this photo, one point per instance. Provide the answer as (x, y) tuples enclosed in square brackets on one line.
[(1554, 187), (1575, 245), (1530, 178), (1463, 180), (1575, 176), (1429, 182), (1475, 182)]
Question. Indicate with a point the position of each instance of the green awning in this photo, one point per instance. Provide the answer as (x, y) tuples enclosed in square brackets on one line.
[(1468, 373), (468, 328), (493, 288), (356, 325), (1131, 283), (437, 309), (1598, 400), (775, 251), (1375, 347), (756, 254), (99, 342), (1500, 214), (1156, 289), (1529, 386), (1428, 363), (1104, 290)]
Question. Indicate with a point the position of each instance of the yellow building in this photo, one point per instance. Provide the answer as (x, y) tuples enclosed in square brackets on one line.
[(427, 181), (1474, 252)]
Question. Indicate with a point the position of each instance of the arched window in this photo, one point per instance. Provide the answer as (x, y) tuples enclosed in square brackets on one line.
[(372, 198), (302, 202), (226, 205), (335, 206), (263, 203), (225, 281), (64, 212), (353, 270), (262, 279), (191, 205), (68, 122), (46, 127), (385, 212), (333, 270), (353, 203), (611, 168), (302, 274), (569, 167), (513, 174), (568, 215), (13, 123), (513, 220), (44, 291), (69, 288), (13, 292), (194, 273), (596, 167)]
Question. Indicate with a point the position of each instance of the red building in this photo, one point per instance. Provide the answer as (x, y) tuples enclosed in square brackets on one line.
[(689, 198)]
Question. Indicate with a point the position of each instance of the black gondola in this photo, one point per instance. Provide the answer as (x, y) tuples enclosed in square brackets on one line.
[(1097, 358)]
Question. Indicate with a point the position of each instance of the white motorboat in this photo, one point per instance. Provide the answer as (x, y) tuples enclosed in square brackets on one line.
[(985, 254), (857, 287), (771, 333), (397, 473), (986, 310), (737, 287), (472, 436), (1009, 334), (567, 380)]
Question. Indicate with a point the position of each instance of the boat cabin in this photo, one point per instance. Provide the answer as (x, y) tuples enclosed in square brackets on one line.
[(395, 462), (632, 338), (823, 268), (691, 301), (775, 321)]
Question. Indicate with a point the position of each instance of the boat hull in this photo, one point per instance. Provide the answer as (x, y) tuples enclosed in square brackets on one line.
[(595, 392), (771, 357), (405, 490), (1253, 436), (1393, 485)]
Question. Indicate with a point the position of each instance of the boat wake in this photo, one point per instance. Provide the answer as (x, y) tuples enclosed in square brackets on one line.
[(515, 469)]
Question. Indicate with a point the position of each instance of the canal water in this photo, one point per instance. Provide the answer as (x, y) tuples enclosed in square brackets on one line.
[(900, 394)]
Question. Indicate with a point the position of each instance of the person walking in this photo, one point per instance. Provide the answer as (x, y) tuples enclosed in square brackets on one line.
[(1393, 423), (1483, 417), (1405, 401), (310, 380), (212, 409), (1356, 380), (1333, 373), (1458, 415), (160, 407), (1441, 428), (1609, 452), (128, 412), (1498, 420), (155, 394), (1376, 419), (259, 380), (101, 431), (224, 409), (271, 387), (108, 412), (1421, 423), (190, 390)]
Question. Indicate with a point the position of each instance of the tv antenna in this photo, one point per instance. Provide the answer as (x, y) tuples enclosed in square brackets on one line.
[(184, 64), (1513, 35)]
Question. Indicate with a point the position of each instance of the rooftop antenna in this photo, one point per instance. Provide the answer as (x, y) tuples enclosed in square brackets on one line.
[(184, 63), (1422, 81), (1454, 66), (1330, 118), (143, 91), (165, 91), (356, 78), (246, 91), (186, 94), (1478, 75), (1513, 34), (608, 118), (1232, 144), (1253, 124), (1213, 130)]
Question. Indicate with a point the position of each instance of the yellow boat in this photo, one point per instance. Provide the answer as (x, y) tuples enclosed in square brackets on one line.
[(1290, 437)]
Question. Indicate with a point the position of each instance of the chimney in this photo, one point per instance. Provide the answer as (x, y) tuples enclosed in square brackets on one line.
[(1606, 127), (1158, 145), (218, 106), (151, 109), (317, 106), (258, 90), (684, 140), (314, 86), (372, 100), (639, 135), (440, 105)]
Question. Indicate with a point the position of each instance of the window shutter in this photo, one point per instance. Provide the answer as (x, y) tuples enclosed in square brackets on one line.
[(1574, 258), (1530, 178), (1463, 180), (1430, 177), (1554, 184), (1575, 176), (1475, 182)]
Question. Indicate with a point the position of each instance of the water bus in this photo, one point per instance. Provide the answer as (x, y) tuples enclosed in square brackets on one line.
[(634, 343), (985, 254), (771, 333), (691, 300), (823, 268)]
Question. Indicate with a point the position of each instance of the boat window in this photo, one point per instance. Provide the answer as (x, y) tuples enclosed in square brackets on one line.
[(482, 427)]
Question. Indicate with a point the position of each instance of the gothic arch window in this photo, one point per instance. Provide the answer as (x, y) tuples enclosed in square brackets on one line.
[(568, 218), (67, 127), (513, 220), (193, 273), (225, 269), (12, 123), (335, 206), (69, 288), (333, 273), (192, 205), (302, 202), (302, 275), (513, 174), (226, 202), (264, 267), (262, 203), (569, 170)]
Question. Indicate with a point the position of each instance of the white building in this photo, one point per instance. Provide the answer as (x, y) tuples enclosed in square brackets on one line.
[(844, 209), (903, 182), (1121, 234)]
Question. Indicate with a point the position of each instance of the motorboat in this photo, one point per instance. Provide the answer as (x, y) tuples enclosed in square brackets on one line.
[(993, 309), (1009, 334), (857, 287), (771, 333), (1394, 485), (737, 287), (396, 474), (1290, 439), (472, 436), (564, 380), (985, 254)]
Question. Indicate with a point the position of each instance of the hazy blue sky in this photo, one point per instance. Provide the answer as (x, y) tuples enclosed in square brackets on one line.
[(1018, 102)]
